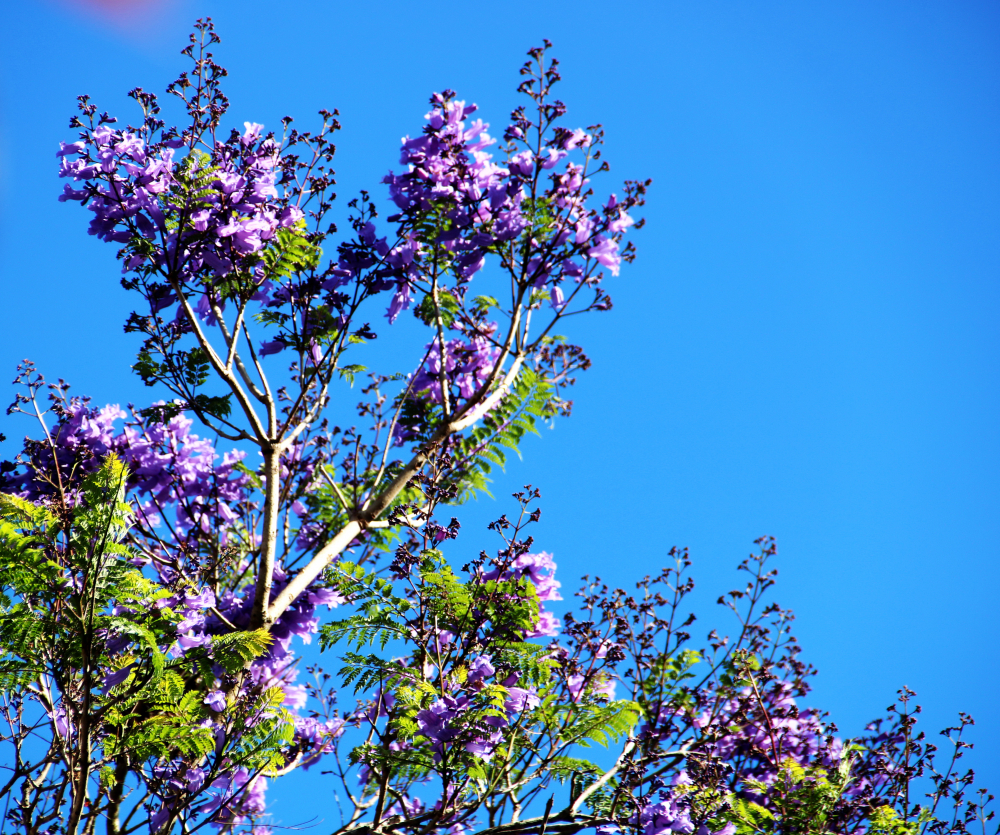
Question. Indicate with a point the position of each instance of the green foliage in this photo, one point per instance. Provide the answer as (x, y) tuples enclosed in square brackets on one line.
[(193, 187), (446, 308), (366, 672), (886, 821), (68, 593), (448, 599), (534, 663), (590, 721), (498, 610), (152, 721), (483, 304), (413, 766), (531, 398), (804, 801), (379, 610), (234, 650), (290, 252), (379, 617), (541, 214), (664, 680), (566, 768), (192, 367), (349, 372), (213, 405), (259, 733), (738, 669)]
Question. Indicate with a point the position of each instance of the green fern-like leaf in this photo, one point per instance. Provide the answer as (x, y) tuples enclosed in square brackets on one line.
[(234, 650), (601, 724), (531, 399)]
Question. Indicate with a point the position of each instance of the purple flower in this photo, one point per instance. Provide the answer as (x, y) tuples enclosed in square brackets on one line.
[(540, 568), (216, 700), (548, 626), (520, 699), (251, 133), (236, 797), (205, 599), (605, 251), (467, 366), (290, 216), (328, 597), (480, 668), (621, 223), (114, 679), (70, 193), (554, 155), (200, 220), (578, 139), (275, 346), (160, 816), (599, 685), (60, 721), (434, 721), (484, 747), (296, 696), (522, 163), (66, 148)]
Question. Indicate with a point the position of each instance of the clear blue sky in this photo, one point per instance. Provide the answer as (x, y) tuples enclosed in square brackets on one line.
[(807, 346)]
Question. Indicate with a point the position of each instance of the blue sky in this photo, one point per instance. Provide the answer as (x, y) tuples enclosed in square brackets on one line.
[(807, 345)]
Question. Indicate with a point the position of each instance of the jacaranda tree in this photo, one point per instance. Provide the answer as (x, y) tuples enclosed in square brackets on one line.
[(161, 565)]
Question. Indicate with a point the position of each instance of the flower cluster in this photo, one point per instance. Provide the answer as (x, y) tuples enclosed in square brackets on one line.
[(539, 569), (208, 582), (183, 487), (236, 796), (458, 719), (481, 206), (228, 800), (670, 810), (202, 218), (481, 695), (188, 501), (466, 365), (773, 733)]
